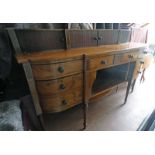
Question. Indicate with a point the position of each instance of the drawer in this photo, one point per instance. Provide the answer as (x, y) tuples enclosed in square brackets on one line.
[(58, 70), (60, 102), (100, 62), (51, 87), (125, 57)]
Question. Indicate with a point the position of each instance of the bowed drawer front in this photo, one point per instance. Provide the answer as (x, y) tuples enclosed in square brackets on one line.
[(49, 71), (51, 87), (61, 101)]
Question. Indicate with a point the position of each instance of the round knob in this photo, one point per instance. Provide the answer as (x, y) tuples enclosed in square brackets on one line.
[(103, 62), (100, 38), (64, 102), (130, 56), (145, 52), (61, 69), (141, 62), (138, 72), (62, 86), (95, 38)]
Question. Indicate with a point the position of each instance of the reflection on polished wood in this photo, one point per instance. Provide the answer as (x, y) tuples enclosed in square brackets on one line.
[(59, 74), (57, 55)]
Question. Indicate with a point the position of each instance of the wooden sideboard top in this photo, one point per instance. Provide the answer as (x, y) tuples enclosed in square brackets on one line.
[(56, 55)]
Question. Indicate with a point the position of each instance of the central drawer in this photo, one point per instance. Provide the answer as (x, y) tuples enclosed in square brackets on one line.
[(100, 62), (51, 87), (61, 101), (46, 71), (125, 57)]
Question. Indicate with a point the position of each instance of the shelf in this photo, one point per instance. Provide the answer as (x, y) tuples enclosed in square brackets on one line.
[(108, 78)]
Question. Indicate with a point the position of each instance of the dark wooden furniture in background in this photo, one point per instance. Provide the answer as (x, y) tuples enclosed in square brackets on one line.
[(61, 78), (90, 38)]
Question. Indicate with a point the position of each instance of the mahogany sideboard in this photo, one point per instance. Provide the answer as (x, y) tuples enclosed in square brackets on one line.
[(59, 79)]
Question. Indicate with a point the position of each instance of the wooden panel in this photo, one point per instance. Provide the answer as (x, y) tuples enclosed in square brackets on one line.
[(100, 62), (124, 36), (51, 87), (58, 70), (38, 40), (82, 38), (107, 37), (61, 101)]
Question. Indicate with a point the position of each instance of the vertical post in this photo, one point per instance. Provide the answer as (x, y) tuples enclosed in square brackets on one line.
[(31, 83), (29, 75), (32, 87), (127, 91), (85, 97), (129, 82), (133, 85), (14, 41), (68, 41)]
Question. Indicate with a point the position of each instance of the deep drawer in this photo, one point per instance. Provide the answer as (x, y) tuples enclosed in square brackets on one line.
[(61, 102), (51, 87)]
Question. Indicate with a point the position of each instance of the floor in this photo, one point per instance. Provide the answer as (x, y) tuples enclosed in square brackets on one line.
[(109, 113)]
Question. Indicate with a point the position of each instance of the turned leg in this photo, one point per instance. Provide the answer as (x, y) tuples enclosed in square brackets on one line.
[(85, 109)]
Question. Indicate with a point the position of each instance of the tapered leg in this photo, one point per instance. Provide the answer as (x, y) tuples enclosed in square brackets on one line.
[(142, 79), (133, 85), (127, 91)]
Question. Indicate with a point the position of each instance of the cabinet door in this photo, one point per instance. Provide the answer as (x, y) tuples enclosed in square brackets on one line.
[(107, 37), (124, 36), (38, 40), (81, 38)]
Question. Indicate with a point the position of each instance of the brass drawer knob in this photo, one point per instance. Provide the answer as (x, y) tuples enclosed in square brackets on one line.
[(100, 38), (130, 56), (62, 86), (141, 62), (104, 62), (61, 69), (95, 38), (64, 102)]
